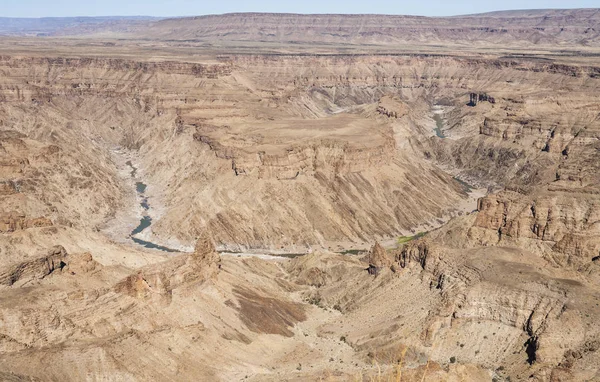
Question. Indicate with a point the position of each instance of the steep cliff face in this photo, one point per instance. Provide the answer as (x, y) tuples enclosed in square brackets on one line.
[(224, 144), (566, 222), (553, 196), (39, 268), (330, 147), (509, 290)]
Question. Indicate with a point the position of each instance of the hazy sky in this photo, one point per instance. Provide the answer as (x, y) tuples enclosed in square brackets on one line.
[(41, 8)]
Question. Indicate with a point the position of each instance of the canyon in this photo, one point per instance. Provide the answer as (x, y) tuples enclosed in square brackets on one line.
[(189, 199)]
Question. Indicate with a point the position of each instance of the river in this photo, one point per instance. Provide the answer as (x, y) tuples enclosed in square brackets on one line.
[(146, 220), (439, 121)]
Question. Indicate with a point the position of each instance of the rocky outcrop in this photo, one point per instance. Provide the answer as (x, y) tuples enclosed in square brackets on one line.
[(565, 221), (471, 292), (392, 107), (415, 252), (475, 98), (551, 132), (492, 216), (577, 249), (159, 281), (378, 259), (37, 269), (205, 258), (511, 129), (14, 221), (337, 157), (390, 114), (56, 261), (8, 188)]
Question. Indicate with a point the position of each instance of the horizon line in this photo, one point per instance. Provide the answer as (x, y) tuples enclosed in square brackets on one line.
[(293, 13)]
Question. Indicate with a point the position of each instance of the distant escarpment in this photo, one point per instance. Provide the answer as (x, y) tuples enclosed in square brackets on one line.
[(515, 28)]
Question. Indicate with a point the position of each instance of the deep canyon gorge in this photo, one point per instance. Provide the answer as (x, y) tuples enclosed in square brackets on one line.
[(303, 199)]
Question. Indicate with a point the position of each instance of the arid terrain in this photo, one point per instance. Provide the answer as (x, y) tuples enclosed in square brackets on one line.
[(271, 197)]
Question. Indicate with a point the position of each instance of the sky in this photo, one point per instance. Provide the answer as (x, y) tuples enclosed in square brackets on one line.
[(166, 8)]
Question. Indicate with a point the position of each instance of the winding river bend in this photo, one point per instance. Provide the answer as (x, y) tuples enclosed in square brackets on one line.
[(146, 220)]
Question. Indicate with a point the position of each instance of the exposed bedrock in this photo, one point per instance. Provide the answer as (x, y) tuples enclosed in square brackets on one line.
[(292, 153), (499, 285), (567, 223), (57, 260), (331, 149)]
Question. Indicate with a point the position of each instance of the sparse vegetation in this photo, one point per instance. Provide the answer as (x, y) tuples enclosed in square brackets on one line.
[(315, 300), (352, 252), (405, 239)]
